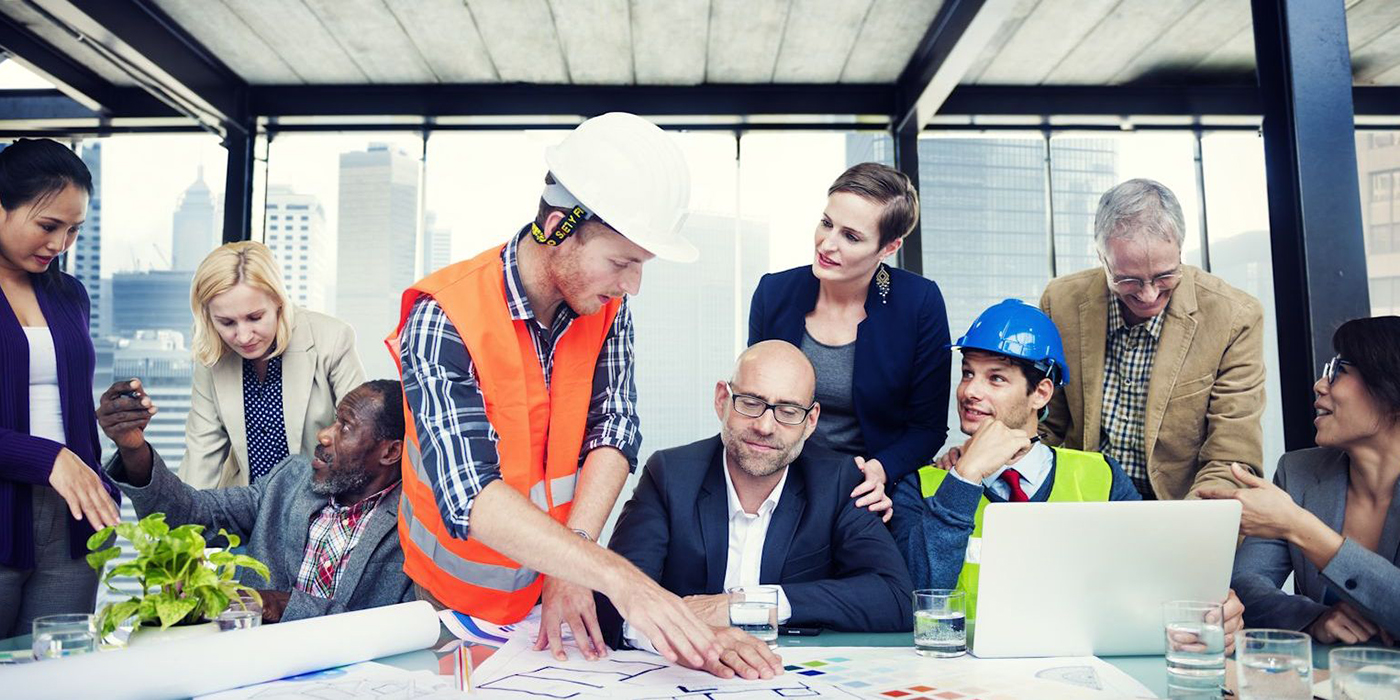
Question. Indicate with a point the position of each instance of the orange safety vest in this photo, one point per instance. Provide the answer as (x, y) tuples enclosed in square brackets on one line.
[(540, 432)]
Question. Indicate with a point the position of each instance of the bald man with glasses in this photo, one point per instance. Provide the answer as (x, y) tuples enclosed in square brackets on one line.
[(757, 505), (1166, 359)]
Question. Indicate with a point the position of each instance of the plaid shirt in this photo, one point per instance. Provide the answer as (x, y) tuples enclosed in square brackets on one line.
[(334, 532), (456, 439), (1128, 357)]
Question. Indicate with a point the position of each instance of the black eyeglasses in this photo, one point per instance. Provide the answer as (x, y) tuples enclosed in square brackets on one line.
[(754, 407), (1334, 367)]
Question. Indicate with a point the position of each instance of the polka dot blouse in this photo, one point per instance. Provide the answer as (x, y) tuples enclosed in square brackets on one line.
[(262, 413)]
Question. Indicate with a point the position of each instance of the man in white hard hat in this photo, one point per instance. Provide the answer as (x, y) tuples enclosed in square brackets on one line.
[(518, 374)]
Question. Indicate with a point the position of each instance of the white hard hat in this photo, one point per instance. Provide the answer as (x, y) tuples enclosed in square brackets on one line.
[(629, 173)]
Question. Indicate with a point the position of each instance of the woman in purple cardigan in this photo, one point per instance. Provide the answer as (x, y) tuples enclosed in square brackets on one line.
[(52, 493)]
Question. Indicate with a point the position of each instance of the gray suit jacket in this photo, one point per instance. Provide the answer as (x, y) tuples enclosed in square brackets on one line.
[(1316, 478), (273, 517)]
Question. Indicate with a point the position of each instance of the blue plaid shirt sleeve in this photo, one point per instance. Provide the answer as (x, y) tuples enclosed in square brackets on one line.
[(456, 439), (612, 411)]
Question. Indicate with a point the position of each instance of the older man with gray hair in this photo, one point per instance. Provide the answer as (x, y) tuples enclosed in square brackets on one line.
[(1165, 360)]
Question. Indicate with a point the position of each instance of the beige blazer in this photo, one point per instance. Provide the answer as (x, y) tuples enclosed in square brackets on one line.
[(319, 367), (1206, 392)]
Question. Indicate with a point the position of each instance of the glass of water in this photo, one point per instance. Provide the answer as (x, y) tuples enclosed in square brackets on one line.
[(940, 622), (1274, 665), (754, 609), (1195, 648), (243, 612), (57, 636), (1364, 673)]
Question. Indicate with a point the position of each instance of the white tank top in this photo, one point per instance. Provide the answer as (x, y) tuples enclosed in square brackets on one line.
[(45, 405)]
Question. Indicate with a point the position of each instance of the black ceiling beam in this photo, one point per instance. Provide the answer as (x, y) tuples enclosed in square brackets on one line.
[(150, 32), (948, 29), (75, 79), (1128, 100), (517, 99)]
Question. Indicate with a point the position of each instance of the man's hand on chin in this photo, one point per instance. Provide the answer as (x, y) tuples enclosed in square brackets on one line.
[(741, 654)]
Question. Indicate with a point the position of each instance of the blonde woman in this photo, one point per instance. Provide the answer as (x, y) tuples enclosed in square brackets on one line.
[(267, 375)]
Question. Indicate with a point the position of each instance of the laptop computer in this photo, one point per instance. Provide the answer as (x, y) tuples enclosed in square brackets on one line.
[(1079, 579)]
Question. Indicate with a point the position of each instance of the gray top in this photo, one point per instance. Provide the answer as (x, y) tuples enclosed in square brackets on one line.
[(838, 428), (273, 517), (1317, 479)]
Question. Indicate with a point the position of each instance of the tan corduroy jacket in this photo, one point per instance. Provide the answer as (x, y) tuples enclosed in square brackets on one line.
[(1205, 397), (319, 368)]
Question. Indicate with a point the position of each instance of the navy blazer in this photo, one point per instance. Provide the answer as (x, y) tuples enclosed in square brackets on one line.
[(902, 366), (837, 564)]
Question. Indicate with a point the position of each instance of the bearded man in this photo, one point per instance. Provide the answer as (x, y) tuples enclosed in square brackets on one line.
[(753, 506)]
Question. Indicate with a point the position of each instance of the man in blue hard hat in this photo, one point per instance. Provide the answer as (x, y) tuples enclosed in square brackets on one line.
[(1012, 360)]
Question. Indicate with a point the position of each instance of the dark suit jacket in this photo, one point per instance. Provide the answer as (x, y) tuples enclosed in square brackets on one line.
[(837, 564), (902, 371), (273, 518)]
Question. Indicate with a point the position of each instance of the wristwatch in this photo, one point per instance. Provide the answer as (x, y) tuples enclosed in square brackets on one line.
[(584, 534)]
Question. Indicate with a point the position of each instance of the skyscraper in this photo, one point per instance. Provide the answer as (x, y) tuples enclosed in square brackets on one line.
[(376, 255), (297, 236), (1378, 160), (192, 228), (437, 245), (154, 300), (87, 252)]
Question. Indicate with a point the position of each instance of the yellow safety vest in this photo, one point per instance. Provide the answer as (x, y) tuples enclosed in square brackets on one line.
[(1079, 477)]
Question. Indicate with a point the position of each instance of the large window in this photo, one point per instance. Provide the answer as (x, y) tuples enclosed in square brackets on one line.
[(343, 215), (1378, 170)]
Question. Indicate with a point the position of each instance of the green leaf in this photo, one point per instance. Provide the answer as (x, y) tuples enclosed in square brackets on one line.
[(251, 563), (154, 525), (220, 558), (202, 576), (99, 559), (233, 540), (173, 611), (114, 614), (131, 568), (99, 538)]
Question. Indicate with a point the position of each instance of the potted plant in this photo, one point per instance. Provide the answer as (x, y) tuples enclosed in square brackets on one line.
[(184, 587)]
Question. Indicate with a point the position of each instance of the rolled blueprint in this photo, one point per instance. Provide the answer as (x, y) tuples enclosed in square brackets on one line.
[(188, 667)]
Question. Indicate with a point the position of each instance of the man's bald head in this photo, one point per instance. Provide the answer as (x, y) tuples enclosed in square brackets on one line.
[(776, 373), (776, 363)]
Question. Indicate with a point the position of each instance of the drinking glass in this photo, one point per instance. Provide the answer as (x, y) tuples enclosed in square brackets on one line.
[(754, 609), (243, 612), (1274, 665), (1364, 673), (1195, 648), (57, 636), (940, 622)]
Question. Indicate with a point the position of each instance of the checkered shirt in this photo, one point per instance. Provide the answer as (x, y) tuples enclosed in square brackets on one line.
[(335, 530), (1128, 355), (457, 441)]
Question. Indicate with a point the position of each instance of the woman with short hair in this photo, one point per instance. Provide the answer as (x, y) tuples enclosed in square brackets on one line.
[(877, 335), (267, 375), (1331, 518), (53, 495)]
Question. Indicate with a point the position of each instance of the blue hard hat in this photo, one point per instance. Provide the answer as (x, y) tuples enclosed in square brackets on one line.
[(1017, 329)]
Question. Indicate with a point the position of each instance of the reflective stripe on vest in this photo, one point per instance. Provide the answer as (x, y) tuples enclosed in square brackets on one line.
[(1079, 477), (540, 431)]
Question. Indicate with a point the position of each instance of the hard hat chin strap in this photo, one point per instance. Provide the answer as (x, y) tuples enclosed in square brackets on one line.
[(556, 195)]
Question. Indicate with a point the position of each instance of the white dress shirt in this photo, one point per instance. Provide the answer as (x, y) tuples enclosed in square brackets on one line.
[(747, 533), (1033, 467), (45, 403)]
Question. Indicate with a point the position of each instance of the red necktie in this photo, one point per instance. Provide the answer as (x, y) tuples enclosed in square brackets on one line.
[(1013, 480)]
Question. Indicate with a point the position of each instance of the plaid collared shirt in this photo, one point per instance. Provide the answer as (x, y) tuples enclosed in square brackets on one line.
[(335, 530), (1127, 368), (456, 440)]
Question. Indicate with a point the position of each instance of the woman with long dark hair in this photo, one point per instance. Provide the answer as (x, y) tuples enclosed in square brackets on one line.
[(53, 495)]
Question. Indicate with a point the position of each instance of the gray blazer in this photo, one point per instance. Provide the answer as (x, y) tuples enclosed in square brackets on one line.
[(1316, 478), (273, 517)]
